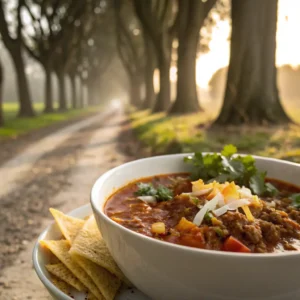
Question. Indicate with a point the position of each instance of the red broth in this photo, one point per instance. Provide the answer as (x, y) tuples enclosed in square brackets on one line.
[(275, 227)]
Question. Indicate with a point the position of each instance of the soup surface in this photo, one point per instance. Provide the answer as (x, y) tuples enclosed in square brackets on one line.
[(209, 216)]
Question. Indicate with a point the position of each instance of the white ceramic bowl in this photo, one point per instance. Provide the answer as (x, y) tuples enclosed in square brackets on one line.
[(168, 271)]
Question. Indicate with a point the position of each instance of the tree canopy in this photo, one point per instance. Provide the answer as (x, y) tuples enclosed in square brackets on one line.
[(78, 41)]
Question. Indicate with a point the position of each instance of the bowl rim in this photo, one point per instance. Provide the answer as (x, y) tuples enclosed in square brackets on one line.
[(37, 266), (99, 209)]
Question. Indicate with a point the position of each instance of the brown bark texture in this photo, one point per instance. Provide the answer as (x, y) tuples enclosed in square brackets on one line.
[(191, 16), (158, 19), (251, 94), (1, 95), (25, 109), (81, 94), (73, 91), (149, 72), (128, 53), (135, 91), (14, 47), (48, 90), (61, 90), (163, 98)]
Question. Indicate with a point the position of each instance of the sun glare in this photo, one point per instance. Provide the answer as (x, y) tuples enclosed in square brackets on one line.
[(288, 44), (218, 56)]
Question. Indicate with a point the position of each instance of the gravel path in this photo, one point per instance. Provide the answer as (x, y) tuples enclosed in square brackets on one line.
[(61, 179)]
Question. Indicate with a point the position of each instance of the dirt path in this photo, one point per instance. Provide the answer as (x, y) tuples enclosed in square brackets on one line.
[(62, 179), (21, 164)]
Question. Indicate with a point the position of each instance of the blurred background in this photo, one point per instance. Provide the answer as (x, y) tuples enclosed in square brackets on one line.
[(88, 85), (61, 55)]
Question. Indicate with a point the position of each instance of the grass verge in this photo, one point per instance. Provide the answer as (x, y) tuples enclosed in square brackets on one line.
[(161, 134), (16, 126)]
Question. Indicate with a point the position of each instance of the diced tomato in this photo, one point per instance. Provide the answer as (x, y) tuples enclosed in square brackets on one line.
[(234, 245), (193, 239)]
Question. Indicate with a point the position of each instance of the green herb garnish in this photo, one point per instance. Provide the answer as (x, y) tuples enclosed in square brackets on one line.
[(226, 167), (219, 231), (208, 216), (295, 200), (145, 189), (195, 200), (161, 193), (229, 150)]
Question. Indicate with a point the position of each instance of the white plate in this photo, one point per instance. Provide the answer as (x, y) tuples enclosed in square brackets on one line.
[(41, 258)]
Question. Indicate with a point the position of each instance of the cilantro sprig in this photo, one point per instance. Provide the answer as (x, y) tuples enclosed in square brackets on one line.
[(161, 193), (295, 200), (228, 167)]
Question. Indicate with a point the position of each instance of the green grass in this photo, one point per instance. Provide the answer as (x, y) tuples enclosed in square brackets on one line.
[(161, 134), (16, 126), (11, 109)]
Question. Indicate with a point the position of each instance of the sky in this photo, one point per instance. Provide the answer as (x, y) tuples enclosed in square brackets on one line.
[(288, 43)]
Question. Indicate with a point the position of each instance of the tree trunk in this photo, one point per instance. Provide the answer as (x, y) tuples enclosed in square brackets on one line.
[(96, 92), (1, 100), (163, 99), (48, 90), (91, 91), (251, 94), (135, 91), (81, 95), (25, 109), (14, 46), (62, 90), (149, 72), (191, 16), (73, 91)]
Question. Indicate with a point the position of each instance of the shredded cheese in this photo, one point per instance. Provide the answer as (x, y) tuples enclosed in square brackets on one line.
[(209, 206), (147, 199), (221, 197), (248, 213)]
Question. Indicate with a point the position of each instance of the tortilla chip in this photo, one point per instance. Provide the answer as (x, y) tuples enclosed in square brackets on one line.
[(107, 283), (61, 249), (63, 273), (90, 244), (91, 297), (69, 226), (61, 285)]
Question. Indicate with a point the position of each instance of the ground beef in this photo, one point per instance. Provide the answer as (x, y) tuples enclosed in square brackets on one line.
[(234, 222), (181, 186), (276, 225), (256, 211), (291, 228), (252, 233), (286, 227), (261, 247), (267, 231), (212, 239), (295, 215), (270, 232)]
